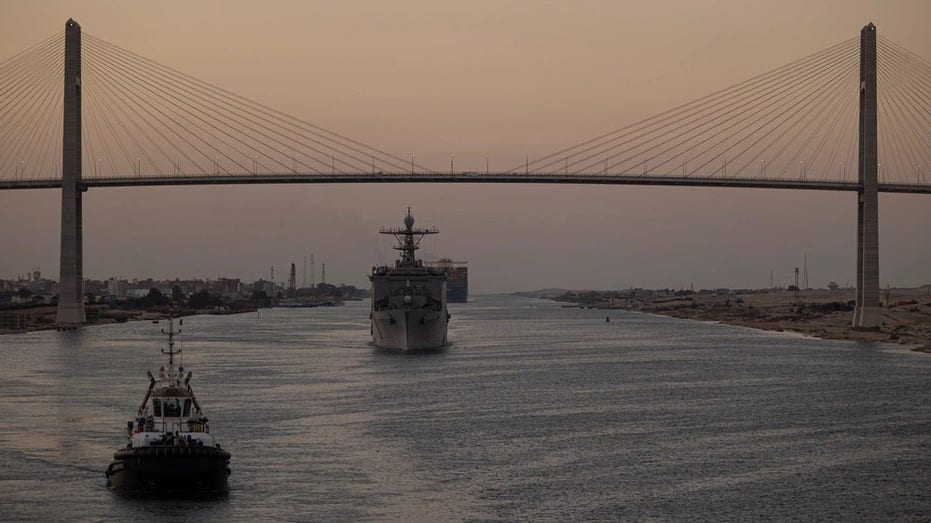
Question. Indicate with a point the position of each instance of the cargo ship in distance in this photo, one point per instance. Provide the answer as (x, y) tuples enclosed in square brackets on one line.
[(409, 299), (457, 279)]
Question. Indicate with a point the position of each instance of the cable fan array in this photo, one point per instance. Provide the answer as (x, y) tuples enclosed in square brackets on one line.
[(31, 98), (144, 119), (904, 118), (148, 119), (141, 118), (797, 122)]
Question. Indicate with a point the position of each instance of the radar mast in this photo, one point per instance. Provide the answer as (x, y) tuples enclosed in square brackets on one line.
[(408, 240)]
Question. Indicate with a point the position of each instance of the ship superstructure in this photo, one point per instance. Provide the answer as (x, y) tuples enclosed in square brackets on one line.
[(409, 299)]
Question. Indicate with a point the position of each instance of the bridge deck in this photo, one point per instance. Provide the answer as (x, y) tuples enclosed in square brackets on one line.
[(576, 179)]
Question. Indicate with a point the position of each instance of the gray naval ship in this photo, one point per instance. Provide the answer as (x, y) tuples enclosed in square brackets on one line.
[(408, 300)]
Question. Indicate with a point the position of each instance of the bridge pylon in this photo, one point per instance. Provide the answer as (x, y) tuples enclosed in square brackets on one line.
[(71, 283), (867, 313)]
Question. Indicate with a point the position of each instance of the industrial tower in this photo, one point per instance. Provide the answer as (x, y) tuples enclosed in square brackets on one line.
[(292, 282)]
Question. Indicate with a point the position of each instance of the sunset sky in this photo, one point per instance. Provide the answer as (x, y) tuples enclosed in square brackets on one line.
[(495, 79)]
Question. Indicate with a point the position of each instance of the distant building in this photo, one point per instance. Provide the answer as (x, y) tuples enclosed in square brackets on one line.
[(137, 293), (228, 287), (268, 287), (116, 288)]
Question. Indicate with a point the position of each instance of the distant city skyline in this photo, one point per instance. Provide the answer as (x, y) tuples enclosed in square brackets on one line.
[(482, 80)]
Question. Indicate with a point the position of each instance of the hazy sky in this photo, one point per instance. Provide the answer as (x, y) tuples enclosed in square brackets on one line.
[(497, 79)]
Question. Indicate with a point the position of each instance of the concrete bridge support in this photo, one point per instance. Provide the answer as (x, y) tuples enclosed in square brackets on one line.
[(71, 283), (868, 313)]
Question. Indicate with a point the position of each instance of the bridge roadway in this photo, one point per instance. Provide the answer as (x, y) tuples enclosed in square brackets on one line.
[(436, 177)]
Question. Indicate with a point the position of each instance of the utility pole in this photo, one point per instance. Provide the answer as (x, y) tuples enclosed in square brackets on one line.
[(796, 284), (805, 273)]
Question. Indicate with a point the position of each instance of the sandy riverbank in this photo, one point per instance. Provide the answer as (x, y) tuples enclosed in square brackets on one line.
[(820, 313)]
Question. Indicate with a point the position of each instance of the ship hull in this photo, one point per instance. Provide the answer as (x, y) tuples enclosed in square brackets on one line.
[(169, 469), (409, 330), (457, 286), (457, 294)]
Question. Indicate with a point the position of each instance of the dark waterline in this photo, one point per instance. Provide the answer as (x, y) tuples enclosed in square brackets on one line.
[(534, 413)]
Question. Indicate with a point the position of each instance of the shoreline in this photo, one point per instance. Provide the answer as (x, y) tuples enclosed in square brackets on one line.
[(37, 319), (824, 314)]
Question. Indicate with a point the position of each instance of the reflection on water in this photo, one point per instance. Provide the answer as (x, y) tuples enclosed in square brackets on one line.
[(535, 412)]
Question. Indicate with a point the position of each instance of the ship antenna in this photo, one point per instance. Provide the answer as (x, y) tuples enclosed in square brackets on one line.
[(180, 353), (171, 340), (180, 344)]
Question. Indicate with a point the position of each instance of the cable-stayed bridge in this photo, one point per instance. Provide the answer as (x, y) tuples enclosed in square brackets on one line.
[(852, 117)]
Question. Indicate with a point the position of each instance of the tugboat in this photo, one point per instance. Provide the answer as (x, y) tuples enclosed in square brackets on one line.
[(408, 300), (170, 447)]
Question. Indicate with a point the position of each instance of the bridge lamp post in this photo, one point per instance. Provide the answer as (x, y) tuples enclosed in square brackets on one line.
[(255, 162), (97, 168), (22, 170), (138, 166), (452, 158), (486, 165), (801, 169), (412, 163)]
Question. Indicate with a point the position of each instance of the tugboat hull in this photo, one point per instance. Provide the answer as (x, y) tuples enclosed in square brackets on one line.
[(166, 469)]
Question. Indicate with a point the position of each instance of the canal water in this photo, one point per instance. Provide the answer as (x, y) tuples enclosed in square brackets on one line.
[(535, 412)]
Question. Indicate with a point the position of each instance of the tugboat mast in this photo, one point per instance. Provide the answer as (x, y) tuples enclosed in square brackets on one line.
[(171, 341), (408, 240)]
